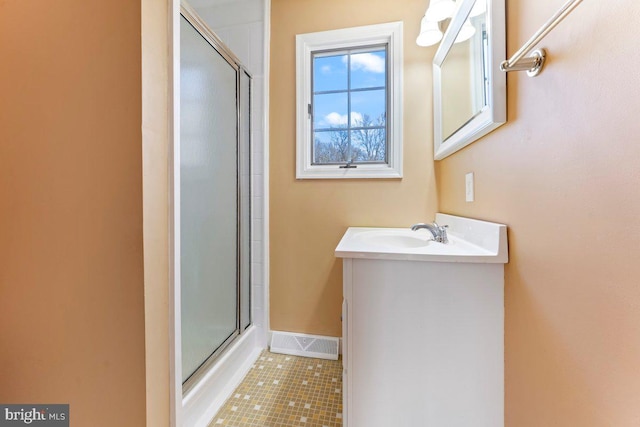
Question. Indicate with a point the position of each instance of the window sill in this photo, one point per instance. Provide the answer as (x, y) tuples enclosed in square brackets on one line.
[(361, 172)]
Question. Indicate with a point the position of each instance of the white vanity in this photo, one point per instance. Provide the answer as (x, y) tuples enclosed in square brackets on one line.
[(423, 326)]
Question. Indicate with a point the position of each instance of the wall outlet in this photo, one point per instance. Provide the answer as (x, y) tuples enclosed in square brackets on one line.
[(468, 179)]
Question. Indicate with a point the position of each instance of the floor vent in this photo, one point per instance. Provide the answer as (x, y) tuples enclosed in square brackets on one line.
[(305, 345)]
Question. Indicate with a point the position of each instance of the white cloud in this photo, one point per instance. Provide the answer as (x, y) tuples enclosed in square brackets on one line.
[(326, 69), (366, 62), (336, 119), (355, 117)]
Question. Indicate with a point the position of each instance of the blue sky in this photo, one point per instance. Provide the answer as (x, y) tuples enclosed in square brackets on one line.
[(330, 73)]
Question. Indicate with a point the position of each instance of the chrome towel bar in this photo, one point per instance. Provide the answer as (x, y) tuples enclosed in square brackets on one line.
[(534, 63)]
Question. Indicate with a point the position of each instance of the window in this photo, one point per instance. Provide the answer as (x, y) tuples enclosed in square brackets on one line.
[(349, 118)]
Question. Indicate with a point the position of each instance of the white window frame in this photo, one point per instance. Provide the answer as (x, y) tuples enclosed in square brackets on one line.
[(348, 38)]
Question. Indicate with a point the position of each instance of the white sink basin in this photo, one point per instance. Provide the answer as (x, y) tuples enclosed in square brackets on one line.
[(396, 238), (470, 240)]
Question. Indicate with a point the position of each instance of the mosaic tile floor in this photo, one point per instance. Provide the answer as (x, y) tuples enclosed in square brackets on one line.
[(286, 391)]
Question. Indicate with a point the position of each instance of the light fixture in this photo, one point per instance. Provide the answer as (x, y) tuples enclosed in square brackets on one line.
[(439, 10), (466, 32), (430, 33), (479, 7)]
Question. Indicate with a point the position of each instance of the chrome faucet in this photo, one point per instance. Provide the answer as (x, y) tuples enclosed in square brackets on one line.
[(439, 232)]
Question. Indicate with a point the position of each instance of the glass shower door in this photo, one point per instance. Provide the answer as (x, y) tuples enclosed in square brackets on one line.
[(208, 200)]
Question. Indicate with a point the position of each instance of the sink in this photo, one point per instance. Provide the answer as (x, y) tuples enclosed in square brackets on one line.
[(423, 318), (398, 238), (470, 240)]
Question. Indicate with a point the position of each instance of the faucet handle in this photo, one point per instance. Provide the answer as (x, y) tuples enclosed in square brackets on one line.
[(443, 233), (445, 239)]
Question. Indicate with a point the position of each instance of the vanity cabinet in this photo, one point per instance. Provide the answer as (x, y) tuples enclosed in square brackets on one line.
[(422, 342)]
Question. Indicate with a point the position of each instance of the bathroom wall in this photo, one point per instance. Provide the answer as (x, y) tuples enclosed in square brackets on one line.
[(71, 269), (308, 217), (156, 145), (564, 175)]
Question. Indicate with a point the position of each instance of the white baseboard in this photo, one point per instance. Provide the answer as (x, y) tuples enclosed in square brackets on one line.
[(270, 336)]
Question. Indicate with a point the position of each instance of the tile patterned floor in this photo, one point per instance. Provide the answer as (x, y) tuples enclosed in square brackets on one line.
[(286, 391)]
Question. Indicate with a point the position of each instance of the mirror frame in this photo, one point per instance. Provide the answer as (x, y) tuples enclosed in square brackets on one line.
[(492, 115)]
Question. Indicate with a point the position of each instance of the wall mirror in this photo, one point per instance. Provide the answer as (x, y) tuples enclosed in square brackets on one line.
[(470, 95)]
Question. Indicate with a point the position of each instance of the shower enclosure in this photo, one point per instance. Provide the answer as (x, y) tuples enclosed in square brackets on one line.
[(214, 198)]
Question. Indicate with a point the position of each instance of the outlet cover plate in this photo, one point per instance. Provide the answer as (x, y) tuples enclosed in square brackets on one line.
[(469, 193)]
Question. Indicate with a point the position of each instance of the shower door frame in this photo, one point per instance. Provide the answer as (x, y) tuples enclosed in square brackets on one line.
[(204, 31)]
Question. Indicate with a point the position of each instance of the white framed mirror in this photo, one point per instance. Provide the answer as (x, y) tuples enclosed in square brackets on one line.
[(469, 89)]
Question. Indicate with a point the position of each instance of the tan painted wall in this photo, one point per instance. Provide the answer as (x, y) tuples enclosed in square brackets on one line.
[(564, 174), (156, 63), (71, 272), (308, 217)]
